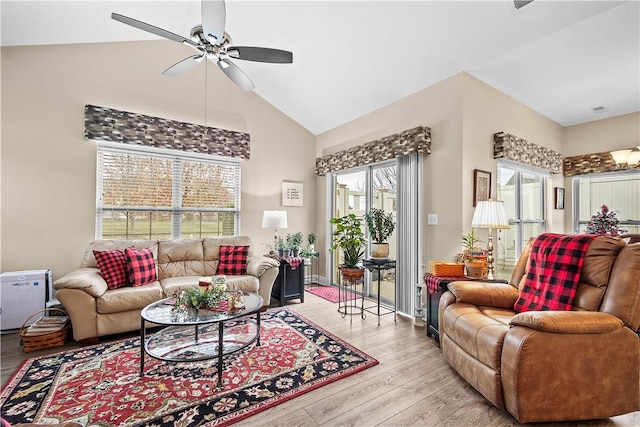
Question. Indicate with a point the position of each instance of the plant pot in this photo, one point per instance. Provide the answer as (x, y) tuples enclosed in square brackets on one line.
[(474, 269), (281, 253), (296, 252), (352, 274), (380, 250), (307, 260), (312, 246)]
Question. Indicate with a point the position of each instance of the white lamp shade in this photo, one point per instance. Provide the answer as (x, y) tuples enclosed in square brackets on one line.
[(490, 214), (274, 219), (620, 156)]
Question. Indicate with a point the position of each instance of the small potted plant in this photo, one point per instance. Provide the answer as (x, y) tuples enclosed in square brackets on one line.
[(349, 237), (306, 255), (294, 241), (380, 225), (472, 255), (311, 238), (280, 247)]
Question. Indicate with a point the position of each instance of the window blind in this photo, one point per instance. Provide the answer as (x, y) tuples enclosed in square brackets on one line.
[(151, 193)]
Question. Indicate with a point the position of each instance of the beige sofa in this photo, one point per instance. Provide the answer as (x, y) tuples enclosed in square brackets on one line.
[(96, 310)]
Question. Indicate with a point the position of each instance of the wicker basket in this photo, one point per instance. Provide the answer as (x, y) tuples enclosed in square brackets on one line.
[(446, 269), (48, 340)]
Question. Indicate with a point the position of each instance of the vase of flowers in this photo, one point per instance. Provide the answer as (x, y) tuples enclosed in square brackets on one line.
[(199, 297), (605, 223)]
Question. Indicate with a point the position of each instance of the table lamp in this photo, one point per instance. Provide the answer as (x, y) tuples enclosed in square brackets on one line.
[(490, 214), (274, 219)]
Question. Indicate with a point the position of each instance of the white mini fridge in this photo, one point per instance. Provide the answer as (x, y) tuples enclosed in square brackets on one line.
[(22, 293)]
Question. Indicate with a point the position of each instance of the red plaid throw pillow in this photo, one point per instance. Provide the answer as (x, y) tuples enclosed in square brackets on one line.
[(141, 267), (233, 260), (113, 267)]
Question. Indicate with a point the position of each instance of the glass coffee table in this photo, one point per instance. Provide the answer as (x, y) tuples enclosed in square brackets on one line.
[(199, 334)]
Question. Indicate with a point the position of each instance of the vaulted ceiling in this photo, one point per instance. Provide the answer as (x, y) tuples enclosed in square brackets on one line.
[(560, 58)]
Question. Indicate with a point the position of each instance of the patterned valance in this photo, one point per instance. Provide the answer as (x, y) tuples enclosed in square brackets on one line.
[(593, 163), (106, 124), (507, 146), (416, 140)]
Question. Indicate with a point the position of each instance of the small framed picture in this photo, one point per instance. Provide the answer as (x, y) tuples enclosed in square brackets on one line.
[(558, 199), (481, 186), (292, 193)]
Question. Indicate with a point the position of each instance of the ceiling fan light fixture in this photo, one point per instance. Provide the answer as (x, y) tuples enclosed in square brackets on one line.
[(212, 42)]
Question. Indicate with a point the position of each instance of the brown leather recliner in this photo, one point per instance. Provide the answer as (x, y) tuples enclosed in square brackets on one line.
[(544, 366)]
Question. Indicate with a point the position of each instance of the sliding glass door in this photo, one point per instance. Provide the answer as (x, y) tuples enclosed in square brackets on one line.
[(356, 191)]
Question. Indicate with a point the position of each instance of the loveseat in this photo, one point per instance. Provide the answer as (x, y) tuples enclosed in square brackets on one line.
[(544, 366), (95, 310)]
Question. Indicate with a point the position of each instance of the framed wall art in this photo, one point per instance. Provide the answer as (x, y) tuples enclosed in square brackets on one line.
[(292, 193), (558, 197), (481, 186)]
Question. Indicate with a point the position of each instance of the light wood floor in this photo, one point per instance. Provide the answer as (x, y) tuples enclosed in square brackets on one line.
[(411, 386)]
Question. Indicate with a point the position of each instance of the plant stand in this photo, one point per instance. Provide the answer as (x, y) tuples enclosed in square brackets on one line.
[(350, 307)]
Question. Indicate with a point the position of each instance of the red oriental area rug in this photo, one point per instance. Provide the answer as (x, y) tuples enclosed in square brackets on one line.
[(100, 385), (330, 293)]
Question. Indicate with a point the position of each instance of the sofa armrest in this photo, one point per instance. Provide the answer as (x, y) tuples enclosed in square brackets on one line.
[(490, 294), (258, 264), (568, 322), (86, 279)]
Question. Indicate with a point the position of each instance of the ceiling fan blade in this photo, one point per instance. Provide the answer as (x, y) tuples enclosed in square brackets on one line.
[(260, 54), (153, 30), (213, 17), (184, 65), (236, 74)]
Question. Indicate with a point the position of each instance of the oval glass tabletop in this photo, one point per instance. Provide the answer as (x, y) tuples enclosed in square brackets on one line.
[(163, 312)]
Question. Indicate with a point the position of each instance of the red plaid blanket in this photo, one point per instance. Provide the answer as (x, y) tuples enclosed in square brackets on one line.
[(433, 282), (553, 272)]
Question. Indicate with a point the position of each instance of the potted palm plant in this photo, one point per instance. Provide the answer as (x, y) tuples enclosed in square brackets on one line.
[(380, 225), (349, 237)]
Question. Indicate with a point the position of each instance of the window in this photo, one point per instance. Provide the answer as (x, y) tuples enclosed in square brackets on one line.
[(620, 191), (522, 190), (150, 193)]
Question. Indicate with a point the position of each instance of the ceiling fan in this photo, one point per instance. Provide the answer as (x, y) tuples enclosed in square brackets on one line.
[(211, 41)]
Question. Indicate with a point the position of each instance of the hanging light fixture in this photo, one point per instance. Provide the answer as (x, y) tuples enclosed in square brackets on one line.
[(627, 157)]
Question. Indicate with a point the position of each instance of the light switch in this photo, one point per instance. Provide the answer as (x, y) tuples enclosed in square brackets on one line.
[(432, 219)]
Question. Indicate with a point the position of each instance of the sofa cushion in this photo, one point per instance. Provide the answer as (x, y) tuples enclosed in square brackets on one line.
[(113, 267), (180, 257), (233, 260), (141, 268), (129, 298), (171, 285)]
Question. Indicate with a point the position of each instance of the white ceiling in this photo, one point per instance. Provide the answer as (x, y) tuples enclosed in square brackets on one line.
[(560, 58)]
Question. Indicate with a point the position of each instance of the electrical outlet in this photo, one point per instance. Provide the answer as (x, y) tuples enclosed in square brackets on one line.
[(432, 219)]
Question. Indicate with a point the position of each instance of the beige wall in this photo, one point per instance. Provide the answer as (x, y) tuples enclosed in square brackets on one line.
[(48, 168), (487, 111), (463, 114), (598, 136)]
